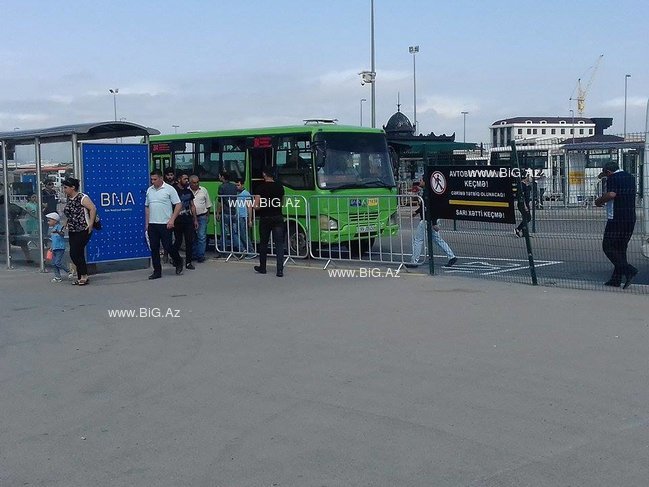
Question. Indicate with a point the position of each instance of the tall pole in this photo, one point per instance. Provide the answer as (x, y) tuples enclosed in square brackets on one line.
[(464, 114), (5, 207), (645, 177), (572, 113), (414, 50), (362, 100), (626, 78), (373, 69), (114, 92)]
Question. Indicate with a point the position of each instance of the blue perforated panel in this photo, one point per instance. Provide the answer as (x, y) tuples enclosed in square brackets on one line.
[(116, 177)]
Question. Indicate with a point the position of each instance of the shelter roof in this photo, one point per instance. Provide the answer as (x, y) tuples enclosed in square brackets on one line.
[(84, 131)]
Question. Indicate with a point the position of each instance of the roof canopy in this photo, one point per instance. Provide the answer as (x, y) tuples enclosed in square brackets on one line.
[(602, 142), (83, 131), (420, 147)]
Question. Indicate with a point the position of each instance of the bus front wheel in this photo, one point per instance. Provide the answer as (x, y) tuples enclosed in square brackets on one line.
[(297, 242)]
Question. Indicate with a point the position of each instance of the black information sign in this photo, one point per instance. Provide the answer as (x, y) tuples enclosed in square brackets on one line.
[(483, 193)]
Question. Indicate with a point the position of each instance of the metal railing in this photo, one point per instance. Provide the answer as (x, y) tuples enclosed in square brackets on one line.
[(237, 227), (367, 228)]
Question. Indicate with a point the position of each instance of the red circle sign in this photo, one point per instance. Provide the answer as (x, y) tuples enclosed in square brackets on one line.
[(437, 182)]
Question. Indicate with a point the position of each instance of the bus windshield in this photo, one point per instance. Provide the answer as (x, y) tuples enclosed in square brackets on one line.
[(353, 160)]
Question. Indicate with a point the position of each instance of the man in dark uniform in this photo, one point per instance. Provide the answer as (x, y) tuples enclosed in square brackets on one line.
[(620, 213), (268, 205), (186, 223)]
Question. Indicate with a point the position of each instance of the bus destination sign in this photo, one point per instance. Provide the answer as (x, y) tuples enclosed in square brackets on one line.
[(262, 142), (476, 193), (160, 148)]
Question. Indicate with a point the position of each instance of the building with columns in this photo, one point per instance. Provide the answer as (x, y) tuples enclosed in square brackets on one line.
[(543, 129)]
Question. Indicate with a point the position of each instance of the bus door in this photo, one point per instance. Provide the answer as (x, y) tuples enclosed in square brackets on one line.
[(161, 161), (258, 159)]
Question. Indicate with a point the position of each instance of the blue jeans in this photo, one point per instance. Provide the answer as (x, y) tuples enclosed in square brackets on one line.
[(418, 242), (57, 262), (244, 241), (200, 242), (229, 233)]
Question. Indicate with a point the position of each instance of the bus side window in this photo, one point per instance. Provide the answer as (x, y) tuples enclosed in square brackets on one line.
[(209, 169)]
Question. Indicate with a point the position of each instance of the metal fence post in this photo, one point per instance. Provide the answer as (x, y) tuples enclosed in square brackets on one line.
[(520, 201)]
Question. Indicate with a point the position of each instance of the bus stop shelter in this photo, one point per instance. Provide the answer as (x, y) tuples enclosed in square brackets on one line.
[(590, 154), (13, 203)]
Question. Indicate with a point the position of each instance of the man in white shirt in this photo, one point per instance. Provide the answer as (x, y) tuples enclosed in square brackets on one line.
[(203, 204), (161, 209)]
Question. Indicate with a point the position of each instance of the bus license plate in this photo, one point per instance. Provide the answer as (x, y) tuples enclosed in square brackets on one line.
[(366, 228)]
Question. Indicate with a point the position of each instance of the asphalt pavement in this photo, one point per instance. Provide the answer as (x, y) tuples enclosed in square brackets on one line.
[(227, 378)]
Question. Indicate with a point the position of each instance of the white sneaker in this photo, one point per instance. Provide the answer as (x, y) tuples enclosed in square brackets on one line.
[(56, 279)]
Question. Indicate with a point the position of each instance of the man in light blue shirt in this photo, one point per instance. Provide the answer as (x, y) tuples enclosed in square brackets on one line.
[(244, 218), (161, 209)]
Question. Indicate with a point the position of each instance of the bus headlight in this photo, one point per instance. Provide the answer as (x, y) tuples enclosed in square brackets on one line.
[(327, 223)]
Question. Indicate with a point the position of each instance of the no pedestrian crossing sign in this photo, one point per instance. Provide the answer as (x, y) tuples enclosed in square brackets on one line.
[(483, 193)]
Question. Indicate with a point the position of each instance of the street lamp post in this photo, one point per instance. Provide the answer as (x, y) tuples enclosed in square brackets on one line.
[(414, 50), (464, 114), (114, 92), (572, 130), (175, 128), (626, 78), (362, 100), (373, 68)]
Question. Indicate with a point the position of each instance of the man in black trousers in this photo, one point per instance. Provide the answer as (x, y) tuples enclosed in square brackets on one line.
[(161, 209), (268, 206), (186, 223), (619, 200)]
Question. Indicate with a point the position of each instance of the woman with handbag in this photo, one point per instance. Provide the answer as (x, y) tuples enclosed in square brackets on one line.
[(80, 212)]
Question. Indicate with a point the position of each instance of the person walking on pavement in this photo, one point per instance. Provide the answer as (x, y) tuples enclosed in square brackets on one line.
[(202, 204), (80, 212), (186, 223), (619, 200), (524, 206), (161, 208), (268, 204), (419, 235), (540, 184)]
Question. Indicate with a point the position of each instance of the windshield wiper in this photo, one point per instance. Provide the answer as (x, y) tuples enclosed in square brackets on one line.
[(346, 186), (376, 183)]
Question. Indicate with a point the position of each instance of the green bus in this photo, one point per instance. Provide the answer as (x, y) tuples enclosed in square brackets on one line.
[(343, 172)]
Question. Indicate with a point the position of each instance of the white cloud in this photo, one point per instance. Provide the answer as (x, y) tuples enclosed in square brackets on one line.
[(632, 101), (446, 107), (63, 99), (24, 117)]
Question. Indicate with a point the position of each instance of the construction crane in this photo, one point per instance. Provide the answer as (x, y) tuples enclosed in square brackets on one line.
[(583, 91)]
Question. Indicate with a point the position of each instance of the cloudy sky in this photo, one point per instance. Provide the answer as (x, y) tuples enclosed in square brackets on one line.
[(213, 64)]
